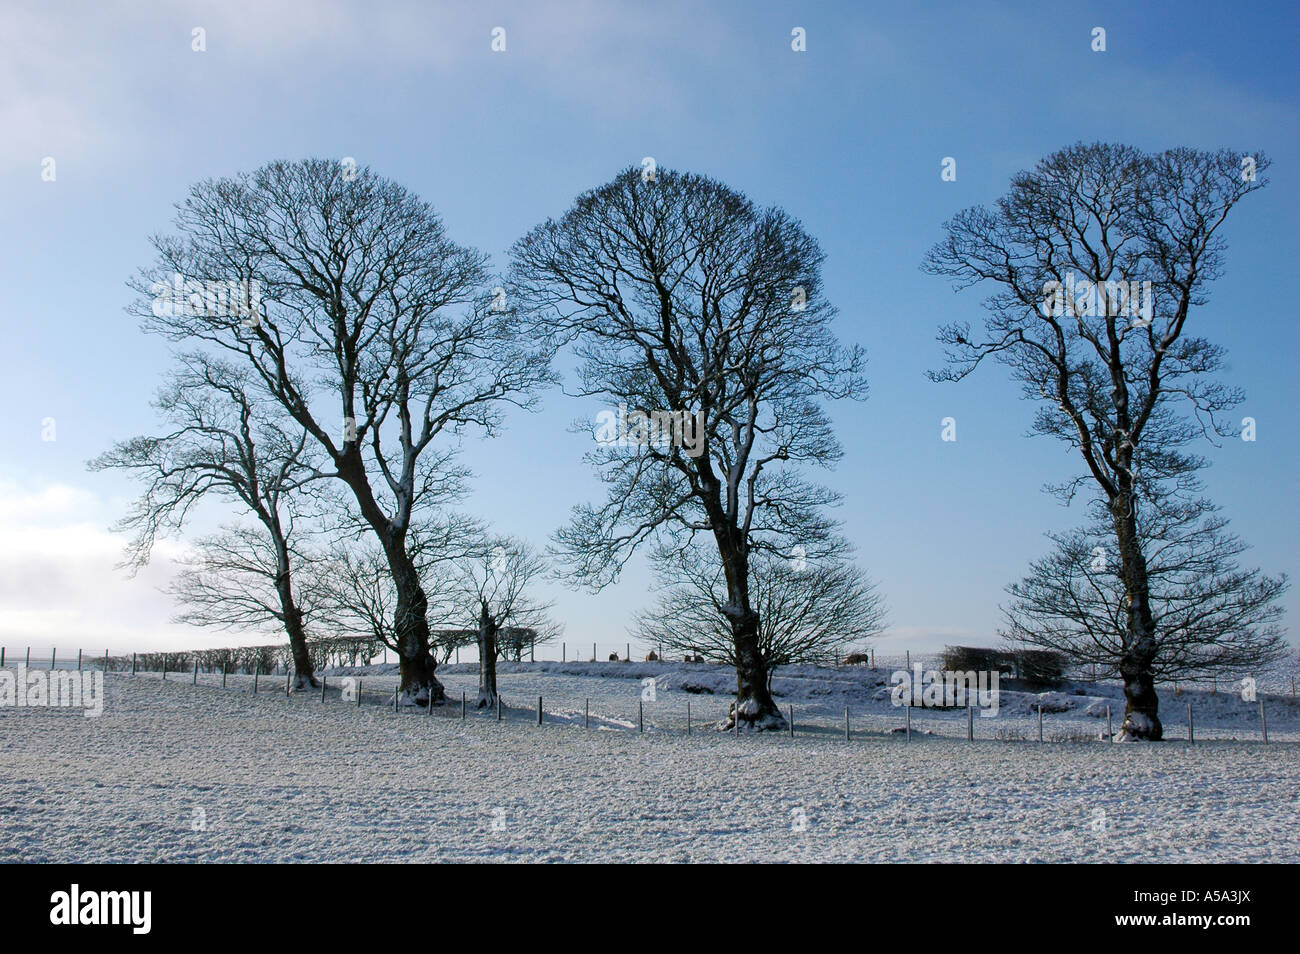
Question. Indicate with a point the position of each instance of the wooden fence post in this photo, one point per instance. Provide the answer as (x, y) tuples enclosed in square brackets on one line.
[(324, 681), (586, 713), (970, 722), (640, 716), (539, 710), (358, 693), (195, 680), (791, 721), (848, 733), (462, 704), (498, 707), (78, 660), (909, 720), (1110, 733), (132, 667), (688, 716), (1040, 721), (1263, 721), (1191, 733)]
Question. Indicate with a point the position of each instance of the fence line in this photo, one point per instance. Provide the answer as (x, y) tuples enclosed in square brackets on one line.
[(867, 725)]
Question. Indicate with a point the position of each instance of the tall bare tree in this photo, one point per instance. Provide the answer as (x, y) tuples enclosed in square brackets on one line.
[(808, 613), (366, 323), (496, 584), (1209, 616), (227, 440), (692, 305), (1070, 250)]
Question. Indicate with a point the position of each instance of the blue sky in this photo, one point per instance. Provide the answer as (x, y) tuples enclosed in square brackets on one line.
[(848, 136)]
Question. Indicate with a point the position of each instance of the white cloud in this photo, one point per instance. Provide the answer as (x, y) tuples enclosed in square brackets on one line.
[(59, 581)]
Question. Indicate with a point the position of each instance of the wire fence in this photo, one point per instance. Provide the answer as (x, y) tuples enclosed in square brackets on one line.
[(327, 652), (683, 713), (1226, 711)]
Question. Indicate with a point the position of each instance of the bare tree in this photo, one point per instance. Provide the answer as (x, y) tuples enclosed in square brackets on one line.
[(366, 323), (1209, 616), (495, 583), (704, 314), (514, 641), (445, 640), (356, 593), (1098, 258), (226, 441), (233, 580), (808, 613)]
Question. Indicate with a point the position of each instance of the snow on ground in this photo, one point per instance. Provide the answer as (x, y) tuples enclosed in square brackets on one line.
[(175, 772), (1076, 712)]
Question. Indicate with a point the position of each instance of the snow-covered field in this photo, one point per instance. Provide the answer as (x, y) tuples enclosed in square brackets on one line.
[(174, 772), (819, 695)]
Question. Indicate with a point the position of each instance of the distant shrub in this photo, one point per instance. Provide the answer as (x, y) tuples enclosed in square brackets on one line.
[(1039, 668), (856, 659), (967, 658), (1043, 668)]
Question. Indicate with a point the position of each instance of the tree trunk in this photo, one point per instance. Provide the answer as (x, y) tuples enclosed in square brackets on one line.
[(1141, 720), (754, 705), (487, 660), (416, 664), (1141, 708), (418, 686), (304, 677)]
